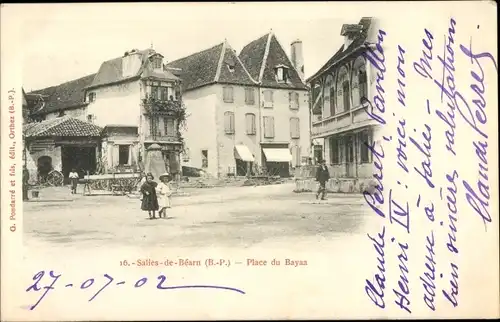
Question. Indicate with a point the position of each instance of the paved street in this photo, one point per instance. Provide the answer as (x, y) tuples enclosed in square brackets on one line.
[(242, 216)]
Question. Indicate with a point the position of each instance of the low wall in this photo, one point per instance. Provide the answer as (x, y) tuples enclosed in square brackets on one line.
[(336, 185)]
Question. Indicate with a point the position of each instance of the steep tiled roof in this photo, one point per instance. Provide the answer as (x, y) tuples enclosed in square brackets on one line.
[(64, 96), (62, 126), (252, 55), (111, 71), (261, 57), (357, 44), (210, 66)]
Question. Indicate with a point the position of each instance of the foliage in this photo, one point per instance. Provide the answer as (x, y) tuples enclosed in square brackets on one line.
[(176, 109)]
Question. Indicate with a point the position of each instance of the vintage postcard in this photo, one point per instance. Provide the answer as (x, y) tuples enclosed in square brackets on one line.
[(204, 161)]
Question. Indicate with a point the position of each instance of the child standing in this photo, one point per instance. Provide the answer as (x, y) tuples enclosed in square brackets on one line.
[(73, 177), (149, 199), (164, 193)]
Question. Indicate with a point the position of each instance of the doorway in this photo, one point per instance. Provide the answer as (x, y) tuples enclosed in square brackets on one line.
[(82, 159)]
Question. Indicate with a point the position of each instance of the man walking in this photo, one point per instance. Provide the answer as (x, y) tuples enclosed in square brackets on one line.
[(322, 176)]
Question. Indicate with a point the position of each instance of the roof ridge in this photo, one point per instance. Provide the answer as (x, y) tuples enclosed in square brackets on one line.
[(242, 65), (221, 58), (55, 122), (66, 82), (264, 59), (193, 54)]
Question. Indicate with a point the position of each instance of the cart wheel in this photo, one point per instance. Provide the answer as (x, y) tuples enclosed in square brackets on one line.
[(55, 178)]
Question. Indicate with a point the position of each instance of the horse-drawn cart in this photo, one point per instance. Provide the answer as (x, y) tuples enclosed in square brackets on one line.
[(118, 183)]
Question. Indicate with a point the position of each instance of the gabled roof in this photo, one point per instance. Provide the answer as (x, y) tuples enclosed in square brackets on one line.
[(61, 97), (357, 44), (61, 126), (111, 71), (262, 56), (211, 66)]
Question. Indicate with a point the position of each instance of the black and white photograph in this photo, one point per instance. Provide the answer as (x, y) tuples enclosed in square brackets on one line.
[(324, 160)]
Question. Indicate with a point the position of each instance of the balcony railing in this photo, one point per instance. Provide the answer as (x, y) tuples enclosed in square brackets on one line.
[(162, 138), (344, 121)]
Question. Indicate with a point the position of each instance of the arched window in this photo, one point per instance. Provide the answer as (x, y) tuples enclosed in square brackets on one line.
[(359, 81), (343, 90), (328, 107)]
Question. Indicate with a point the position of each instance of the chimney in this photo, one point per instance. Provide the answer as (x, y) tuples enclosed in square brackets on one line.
[(350, 32), (297, 57), (131, 63)]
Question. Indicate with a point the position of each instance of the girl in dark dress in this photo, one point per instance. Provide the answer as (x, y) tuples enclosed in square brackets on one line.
[(149, 198)]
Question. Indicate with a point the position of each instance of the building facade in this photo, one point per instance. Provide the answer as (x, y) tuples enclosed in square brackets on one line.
[(137, 104), (240, 120), (341, 129)]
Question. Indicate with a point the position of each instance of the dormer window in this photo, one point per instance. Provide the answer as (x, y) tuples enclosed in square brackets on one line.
[(281, 73), (156, 61), (230, 64)]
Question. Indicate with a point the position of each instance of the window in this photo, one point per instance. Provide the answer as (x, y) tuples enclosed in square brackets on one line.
[(204, 158), (154, 92), (164, 93), (282, 74), (160, 92), (294, 127), (349, 149), (228, 94), (90, 118), (157, 62), (318, 152), (363, 86), (123, 154), (91, 97), (334, 150), (327, 94), (268, 98), (293, 98), (61, 113), (250, 123), (364, 141), (169, 126), (229, 122), (346, 94), (249, 96), (268, 127)]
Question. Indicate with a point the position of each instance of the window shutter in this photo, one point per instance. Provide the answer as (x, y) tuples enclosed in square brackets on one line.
[(229, 122), (226, 122), (271, 126), (290, 99), (169, 126), (250, 123)]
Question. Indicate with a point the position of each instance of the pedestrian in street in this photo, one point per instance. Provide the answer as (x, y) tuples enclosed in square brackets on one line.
[(26, 177), (149, 199), (73, 177), (164, 192), (322, 176)]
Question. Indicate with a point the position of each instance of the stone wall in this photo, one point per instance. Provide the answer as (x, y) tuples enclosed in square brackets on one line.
[(336, 185)]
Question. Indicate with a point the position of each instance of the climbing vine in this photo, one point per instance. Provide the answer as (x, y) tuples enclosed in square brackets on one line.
[(177, 109)]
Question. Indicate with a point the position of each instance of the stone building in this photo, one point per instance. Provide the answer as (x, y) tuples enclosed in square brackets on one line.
[(341, 129), (247, 113), (135, 102)]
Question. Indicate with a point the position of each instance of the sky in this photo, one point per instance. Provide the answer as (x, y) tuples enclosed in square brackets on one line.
[(62, 42)]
